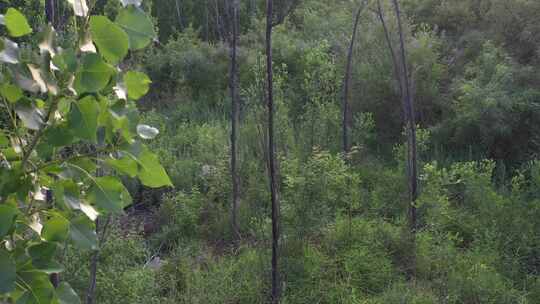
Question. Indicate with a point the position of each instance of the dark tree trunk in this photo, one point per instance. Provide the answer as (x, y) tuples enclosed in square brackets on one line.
[(234, 119), (179, 14), (50, 11), (411, 124), (395, 63), (91, 292), (272, 155), (347, 82)]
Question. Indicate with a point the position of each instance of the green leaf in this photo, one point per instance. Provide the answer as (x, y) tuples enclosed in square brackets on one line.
[(7, 272), (55, 229), (7, 219), (110, 39), (66, 294), (83, 233), (10, 92), (66, 61), (137, 25), (59, 135), (83, 118), (39, 289), (93, 75), (4, 141), (16, 23), (152, 173), (137, 84), (109, 194), (124, 165), (43, 254)]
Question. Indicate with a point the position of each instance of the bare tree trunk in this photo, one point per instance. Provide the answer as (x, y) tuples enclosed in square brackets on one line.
[(50, 11), (234, 120), (219, 24), (405, 91), (91, 293), (178, 14), (347, 82), (272, 155), (413, 174), (395, 62)]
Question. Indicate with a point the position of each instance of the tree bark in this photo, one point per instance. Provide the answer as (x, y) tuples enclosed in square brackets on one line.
[(411, 124), (276, 290), (179, 14), (234, 119), (347, 82), (395, 63), (91, 293), (50, 11)]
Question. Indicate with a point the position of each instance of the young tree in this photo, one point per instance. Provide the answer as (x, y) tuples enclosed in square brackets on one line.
[(272, 153), (411, 122), (401, 74), (347, 80), (65, 122), (274, 16), (234, 115)]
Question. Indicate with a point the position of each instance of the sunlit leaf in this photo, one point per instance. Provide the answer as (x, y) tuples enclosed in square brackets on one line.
[(137, 25), (80, 7), (36, 75), (16, 23), (10, 53), (151, 172), (137, 84), (55, 229), (147, 132), (124, 165), (48, 41), (87, 45), (30, 115), (133, 2), (110, 39), (10, 92)]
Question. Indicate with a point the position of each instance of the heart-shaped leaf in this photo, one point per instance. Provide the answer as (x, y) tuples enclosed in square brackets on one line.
[(110, 39), (16, 23), (137, 25)]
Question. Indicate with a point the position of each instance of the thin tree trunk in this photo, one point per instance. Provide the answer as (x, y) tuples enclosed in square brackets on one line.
[(50, 11), (219, 24), (347, 82), (178, 14), (234, 121), (91, 293), (395, 62), (272, 156), (413, 174)]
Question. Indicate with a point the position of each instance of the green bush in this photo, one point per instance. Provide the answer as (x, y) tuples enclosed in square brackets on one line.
[(122, 276), (402, 293), (368, 271)]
